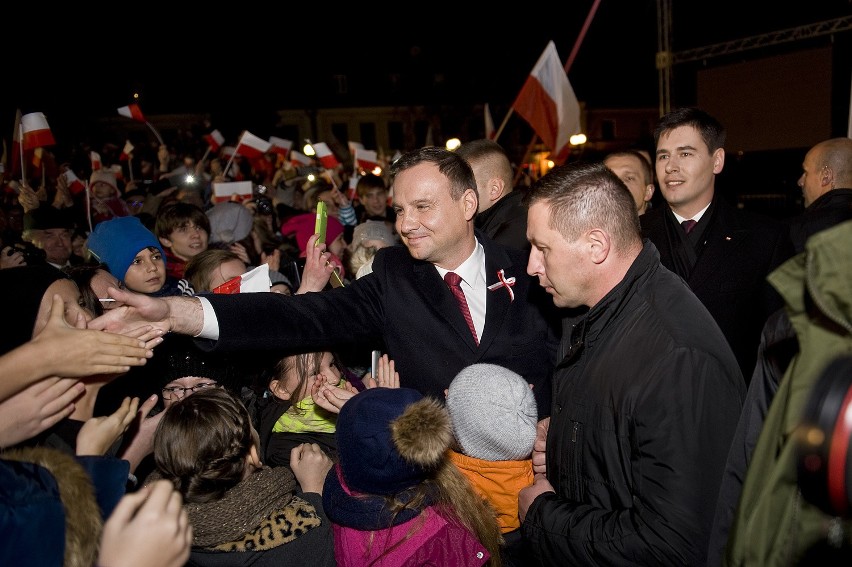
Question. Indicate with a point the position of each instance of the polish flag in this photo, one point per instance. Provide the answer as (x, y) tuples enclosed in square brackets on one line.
[(548, 102), (299, 159), (133, 112), (232, 191), (251, 146), (95, 158), (74, 184), (355, 146), (281, 146), (228, 151), (36, 131), (324, 155), (125, 153), (215, 140), (353, 186), (367, 160), (252, 281)]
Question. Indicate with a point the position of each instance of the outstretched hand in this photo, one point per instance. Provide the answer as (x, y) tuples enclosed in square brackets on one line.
[(386, 376), (99, 433), (135, 311), (148, 528), (69, 351)]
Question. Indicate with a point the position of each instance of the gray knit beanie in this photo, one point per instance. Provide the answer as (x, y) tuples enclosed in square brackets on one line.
[(493, 413)]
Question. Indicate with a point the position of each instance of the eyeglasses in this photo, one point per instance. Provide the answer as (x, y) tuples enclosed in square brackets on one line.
[(178, 392)]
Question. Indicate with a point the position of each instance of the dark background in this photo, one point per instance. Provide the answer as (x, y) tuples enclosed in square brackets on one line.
[(247, 59)]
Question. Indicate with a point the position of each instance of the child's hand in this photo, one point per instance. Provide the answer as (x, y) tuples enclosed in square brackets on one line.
[(310, 465), (386, 375)]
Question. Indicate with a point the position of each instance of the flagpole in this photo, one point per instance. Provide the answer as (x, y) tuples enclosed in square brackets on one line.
[(206, 153), (21, 148), (157, 134), (567, 67), (89, 207), (130, 166)]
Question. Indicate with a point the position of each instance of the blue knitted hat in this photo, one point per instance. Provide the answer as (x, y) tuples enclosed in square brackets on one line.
[(371, 460), (116, 243)]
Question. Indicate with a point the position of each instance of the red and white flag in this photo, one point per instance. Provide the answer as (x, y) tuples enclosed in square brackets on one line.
[(548, 102), (125, 153), (228, 151), (281, 146), (251, 146), (215, 140), (367, 160), (324, 155), (353, 187), (354, 146), (251, 281), (232, 191), (133, 112), (74, 184), (36, 131), (299, 159), (95, 158), (489, 122)]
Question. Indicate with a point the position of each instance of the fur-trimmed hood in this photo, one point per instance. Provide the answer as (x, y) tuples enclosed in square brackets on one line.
[(83, 523)]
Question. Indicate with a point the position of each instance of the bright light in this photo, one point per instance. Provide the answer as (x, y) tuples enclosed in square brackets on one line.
[(308, 150), (190, 179), (377, 171), (550, 164), (312, 177), (453, 143), (577, 139)]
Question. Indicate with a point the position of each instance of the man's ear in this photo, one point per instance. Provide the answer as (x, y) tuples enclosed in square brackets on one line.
[(599, 245), (718, 161), (471, 203), (165, 242), (496, 188)]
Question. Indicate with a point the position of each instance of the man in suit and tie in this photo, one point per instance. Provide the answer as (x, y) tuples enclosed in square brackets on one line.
[(722, 252), (404, 301)]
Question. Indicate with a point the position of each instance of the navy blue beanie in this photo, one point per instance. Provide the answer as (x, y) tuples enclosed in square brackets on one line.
[(116, 243), (369, 459)]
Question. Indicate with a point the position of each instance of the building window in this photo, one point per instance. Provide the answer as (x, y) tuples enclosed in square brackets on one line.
[(368, 135), (396, 135), (608, 130), (340, 130)]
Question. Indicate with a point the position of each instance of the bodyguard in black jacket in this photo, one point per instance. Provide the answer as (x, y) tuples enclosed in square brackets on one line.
[(646, 393)]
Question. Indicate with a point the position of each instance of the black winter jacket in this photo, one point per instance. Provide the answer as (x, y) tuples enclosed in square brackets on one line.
[(646, 398)]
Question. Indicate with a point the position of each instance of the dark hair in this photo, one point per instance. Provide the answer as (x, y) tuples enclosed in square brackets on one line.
[(647, 169), (201, 444), (82, 276), (490, 157), (305, 365), (583, 196), (450, 164), (711, 130), (175, 215), (368, 182)]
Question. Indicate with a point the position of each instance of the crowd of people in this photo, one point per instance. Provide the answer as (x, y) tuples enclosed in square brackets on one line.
[(463, 372)]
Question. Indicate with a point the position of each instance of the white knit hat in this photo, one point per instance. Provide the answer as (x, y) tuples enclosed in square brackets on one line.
[(493, 413)]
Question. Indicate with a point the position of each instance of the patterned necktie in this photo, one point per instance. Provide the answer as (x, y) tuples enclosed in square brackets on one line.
[(688, 225), (454, 282)]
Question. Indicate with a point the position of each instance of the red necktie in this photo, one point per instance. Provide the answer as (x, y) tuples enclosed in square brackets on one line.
[(688, 225), (454, 281)]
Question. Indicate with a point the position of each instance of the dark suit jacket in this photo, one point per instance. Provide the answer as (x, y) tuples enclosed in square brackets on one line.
[(737, 251), (406, 303)]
